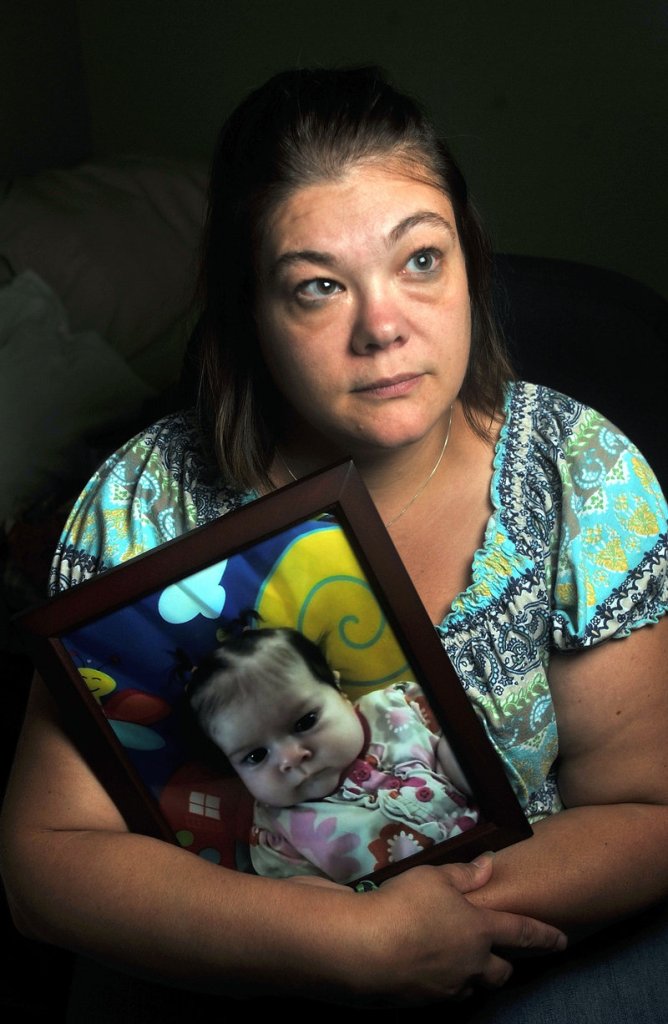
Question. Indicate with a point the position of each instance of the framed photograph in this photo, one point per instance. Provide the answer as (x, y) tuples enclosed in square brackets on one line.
[(118, 652)]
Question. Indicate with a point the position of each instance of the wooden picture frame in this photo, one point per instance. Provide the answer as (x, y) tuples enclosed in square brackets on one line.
[(315, 556)]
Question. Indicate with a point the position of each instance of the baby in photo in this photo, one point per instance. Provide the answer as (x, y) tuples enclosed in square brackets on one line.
[(341, 789)]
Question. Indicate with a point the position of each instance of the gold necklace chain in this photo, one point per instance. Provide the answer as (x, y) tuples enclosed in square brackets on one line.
[(420, 488)]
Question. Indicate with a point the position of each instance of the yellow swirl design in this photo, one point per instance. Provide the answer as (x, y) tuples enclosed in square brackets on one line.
[(317, 586)]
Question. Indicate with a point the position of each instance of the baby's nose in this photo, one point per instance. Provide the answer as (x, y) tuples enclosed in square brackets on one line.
[(292, 755)]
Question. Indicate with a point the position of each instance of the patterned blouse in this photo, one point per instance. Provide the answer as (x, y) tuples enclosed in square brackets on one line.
[(575, 553)]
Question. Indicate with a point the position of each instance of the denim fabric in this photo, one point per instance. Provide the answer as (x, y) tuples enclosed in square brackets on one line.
[(617, 977)]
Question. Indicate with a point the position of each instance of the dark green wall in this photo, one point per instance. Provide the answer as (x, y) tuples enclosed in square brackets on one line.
[(556, 110), (43, 110)]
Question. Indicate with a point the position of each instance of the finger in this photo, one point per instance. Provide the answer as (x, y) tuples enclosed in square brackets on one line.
[(467, 877), (496, 972), (465, 993), (515, 931)]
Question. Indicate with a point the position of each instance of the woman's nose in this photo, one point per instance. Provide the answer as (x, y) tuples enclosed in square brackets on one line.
[(380, 321), (292, 754)]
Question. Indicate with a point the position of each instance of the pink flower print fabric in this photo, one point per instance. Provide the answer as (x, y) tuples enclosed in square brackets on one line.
[(392, 802)]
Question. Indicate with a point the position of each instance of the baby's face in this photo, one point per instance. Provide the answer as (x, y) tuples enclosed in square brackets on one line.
[(294, 746)]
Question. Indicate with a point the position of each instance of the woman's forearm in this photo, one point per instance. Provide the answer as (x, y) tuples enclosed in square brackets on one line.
[(148, 907), (75, 877), (152, 909), (584, 867)]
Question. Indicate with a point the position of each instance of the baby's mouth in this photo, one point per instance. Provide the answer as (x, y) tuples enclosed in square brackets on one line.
[(319, 782)]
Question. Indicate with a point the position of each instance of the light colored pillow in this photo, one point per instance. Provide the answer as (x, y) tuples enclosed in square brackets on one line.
[(118, 240), (55, 386)]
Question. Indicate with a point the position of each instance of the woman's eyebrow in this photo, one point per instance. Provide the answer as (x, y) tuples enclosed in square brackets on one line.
[(415, 219), (325, 259)]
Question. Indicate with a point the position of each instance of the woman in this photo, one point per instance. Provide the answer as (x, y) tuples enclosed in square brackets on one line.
[(346, 311)]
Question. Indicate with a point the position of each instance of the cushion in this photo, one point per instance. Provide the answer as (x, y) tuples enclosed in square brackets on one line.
[(55, 386), (118, 241)]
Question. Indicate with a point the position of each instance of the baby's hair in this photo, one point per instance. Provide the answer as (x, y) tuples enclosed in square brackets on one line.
[(253, 660)]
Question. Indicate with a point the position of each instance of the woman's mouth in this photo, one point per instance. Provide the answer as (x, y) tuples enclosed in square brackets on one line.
[(390, 387)]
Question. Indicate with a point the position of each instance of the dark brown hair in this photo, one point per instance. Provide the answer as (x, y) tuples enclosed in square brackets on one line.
[(253, 661), (299, 128), (253, 658)]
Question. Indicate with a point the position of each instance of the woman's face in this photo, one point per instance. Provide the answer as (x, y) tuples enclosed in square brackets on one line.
[(363, 308)]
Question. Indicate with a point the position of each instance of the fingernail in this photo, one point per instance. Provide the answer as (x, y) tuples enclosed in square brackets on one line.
[(487, 853)]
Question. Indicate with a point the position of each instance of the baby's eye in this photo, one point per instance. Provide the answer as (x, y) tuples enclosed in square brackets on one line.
[(423, 261), (317, 288), (306, 722), (256, 756)]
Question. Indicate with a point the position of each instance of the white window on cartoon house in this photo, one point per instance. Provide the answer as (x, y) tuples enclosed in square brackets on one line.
[(205, 805)]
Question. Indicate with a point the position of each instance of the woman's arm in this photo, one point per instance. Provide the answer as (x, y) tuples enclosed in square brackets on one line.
[(605, 856), (77, 878)]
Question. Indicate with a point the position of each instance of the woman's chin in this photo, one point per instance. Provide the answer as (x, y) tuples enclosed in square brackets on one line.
[(408, 433)]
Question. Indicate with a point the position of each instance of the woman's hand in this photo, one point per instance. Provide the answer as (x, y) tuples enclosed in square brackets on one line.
[(429, 946)]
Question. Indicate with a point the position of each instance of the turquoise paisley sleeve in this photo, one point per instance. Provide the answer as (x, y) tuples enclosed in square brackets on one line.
[(611, 573), (156, 487)]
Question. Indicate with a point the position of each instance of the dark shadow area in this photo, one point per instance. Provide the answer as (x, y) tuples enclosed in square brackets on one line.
[(595, 335), (34, 978)]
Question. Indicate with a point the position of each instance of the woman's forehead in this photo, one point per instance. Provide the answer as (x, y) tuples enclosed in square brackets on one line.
[(367, 200)]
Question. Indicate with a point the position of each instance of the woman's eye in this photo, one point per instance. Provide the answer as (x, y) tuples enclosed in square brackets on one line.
[(317, 288), (423, 261), (306, 722), (256, 756)]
